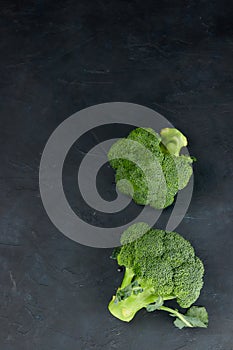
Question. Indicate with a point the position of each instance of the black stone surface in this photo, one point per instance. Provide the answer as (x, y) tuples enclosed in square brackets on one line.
[(58, 57)]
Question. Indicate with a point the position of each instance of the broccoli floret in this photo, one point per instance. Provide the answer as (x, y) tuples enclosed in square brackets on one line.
[(148, 166), (184, 170), (188, 282), (159, 266)]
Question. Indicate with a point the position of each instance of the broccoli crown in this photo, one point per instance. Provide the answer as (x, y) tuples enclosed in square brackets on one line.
[(164, 261), (148, 166)]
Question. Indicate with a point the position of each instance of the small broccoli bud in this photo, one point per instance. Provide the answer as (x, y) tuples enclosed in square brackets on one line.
[(133, 232), (184, 170)]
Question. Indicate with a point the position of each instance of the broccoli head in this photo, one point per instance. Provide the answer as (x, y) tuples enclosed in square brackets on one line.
[(148, 165), (159, 266)]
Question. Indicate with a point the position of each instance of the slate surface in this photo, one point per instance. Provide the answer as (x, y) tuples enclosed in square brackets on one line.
[(58, 57)]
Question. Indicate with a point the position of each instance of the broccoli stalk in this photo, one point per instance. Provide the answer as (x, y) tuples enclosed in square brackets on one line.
[(131, 305), (128, 276), (159, 266), (173, 140), (125, 308)]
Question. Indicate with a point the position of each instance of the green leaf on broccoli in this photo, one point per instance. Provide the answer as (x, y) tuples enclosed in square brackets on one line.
[(197, 316)]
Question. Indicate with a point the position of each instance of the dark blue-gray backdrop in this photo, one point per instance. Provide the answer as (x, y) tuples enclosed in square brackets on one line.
[(58, 57)]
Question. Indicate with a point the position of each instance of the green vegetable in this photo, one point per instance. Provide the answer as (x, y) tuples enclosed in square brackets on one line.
[(159, 266), (148, 166), (196, 316), (173, 140)]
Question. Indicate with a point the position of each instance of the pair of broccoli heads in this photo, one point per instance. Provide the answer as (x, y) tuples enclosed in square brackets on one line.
[(159, 265)]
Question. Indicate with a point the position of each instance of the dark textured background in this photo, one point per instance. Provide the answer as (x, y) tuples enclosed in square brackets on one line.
[(58, 57)]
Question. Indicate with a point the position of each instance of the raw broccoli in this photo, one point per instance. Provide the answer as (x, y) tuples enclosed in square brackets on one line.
[(148, 166), (159, 266)]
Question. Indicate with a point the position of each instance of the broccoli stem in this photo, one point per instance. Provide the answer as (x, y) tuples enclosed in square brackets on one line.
[(128, 276), (177, 314), (126, 309), (173, 140)]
